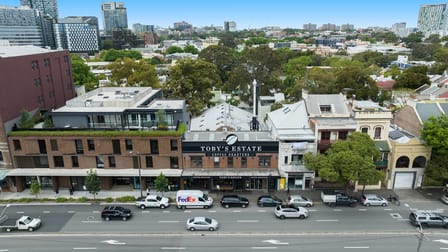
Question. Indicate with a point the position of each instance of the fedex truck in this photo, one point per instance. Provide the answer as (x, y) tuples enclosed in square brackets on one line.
[(193, 199)]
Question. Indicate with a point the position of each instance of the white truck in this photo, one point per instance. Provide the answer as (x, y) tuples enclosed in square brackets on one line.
[(152, 201), (22, 223), (333, 198), (193, 199)]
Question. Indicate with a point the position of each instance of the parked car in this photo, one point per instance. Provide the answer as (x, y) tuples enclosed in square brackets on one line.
[(428, 219), (444, 198), (287, 211), (202, 223), (268, 200), (373, 200), (152, 201), (234, 201), (298, 200), (115, 213)]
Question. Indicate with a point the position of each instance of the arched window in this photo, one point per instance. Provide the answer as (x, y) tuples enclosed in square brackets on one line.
[(377, 133), (419, 162), (402, 162), (365, 130)]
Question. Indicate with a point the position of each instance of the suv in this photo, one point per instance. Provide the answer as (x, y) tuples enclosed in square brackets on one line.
[(234, 201), (428, 218), (115, 213), (373, 200), (268, 200), (298, 200), (286, 211)]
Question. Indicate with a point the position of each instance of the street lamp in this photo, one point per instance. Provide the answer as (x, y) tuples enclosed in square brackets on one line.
[(420, 238), (139, 171)]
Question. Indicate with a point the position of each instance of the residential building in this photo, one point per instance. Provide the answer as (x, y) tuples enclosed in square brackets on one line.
[(347, 27), (141, 29), (124, 134), (400, 29), (328, 27), (229, 26), (114, 16), (49, 14), (21, 26), (182, 26), (310, 27), (78, 34), (45, 75), (433, 19)]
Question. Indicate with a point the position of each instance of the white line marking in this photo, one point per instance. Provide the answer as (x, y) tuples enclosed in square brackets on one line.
[(187, 211), (363, 209), (4, 250), (312, 210), (95, 211), (212, 211), (366, 247), (84, 248), (166, 211), (403, 219), (236, 211), (168, 221), (46, 212), (263, 247), (261, 211), (247, 221), (145, 211), (440, 249), (387, 209), (327, 220), (173, 248), (20, 212), (71, 211), (337, 210)]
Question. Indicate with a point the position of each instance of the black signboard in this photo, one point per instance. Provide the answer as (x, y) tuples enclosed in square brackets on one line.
[(237, 149)]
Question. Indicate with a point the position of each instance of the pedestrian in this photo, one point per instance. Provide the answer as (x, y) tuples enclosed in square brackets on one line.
[(147, 191)]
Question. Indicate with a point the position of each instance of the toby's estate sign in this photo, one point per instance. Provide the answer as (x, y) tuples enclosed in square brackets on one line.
[(231, 147)]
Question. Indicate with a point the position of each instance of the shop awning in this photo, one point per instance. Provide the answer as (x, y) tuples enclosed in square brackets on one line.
[(3, 174), (299, 146), (99, 172), (382, 146), (230, 173)]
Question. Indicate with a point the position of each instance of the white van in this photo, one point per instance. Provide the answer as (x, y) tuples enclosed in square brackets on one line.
[(193, 199)]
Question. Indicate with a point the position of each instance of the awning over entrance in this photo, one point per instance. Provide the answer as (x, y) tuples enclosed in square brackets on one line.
[(382, 146), (99, 172), (231, 173), (3, 174)]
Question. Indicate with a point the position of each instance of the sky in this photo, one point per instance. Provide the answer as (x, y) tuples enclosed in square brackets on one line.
[(254, 13)]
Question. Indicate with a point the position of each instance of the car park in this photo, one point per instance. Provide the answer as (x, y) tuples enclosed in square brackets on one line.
[(115, 213), (268, 201), (234, 201), (373, 200), (444, 198), (202, 223), (428, 219), (298, 200), (288, 211)]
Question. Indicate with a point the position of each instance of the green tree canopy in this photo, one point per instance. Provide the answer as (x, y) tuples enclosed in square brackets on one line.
[(193, 81), (174, 49), (136, 73), (82, 74), (435, 133), (223, 57), (161, 183), (113, 55), (412, 78), (191, 49), (92, 183), (35, 188)]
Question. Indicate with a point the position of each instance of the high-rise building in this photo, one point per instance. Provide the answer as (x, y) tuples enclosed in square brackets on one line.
[(48, 7), (229, 26), (114, 16), (21, 26), (400, 29), (433, 19), (310, 27), (346, 27), (78, 34), (181, 26)]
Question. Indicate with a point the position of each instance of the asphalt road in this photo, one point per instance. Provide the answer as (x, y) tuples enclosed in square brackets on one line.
[(79, 227)]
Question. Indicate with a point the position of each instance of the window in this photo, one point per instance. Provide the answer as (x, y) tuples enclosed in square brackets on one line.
[(154, 144), (296, 159), (46, 62), (148, 161), (243, 162), (79, 147), (128, 143), (325, 109), (112, 161), (99, 162), (364, 130), (34, 65), (42, 146), (377, 133), (286, 159), (264, 161), (58, 161), (65, 58), (216, 162), (325, 135), (1, 156), (17, 145), (174, 144), (174, 162), (75, 162), (402, 162), (116, 146), (54, 144), (196, 161), (419, 162), (90, 144), (342, 135), (229, 162)]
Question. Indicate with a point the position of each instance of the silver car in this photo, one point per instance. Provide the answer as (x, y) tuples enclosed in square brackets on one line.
[(373, 200), (202, 223), (298, 200), (444, 198), (285, 211)]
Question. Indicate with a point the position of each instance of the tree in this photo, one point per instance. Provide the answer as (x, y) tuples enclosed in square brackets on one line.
[(92, 183), (193, 81), (174, 49), (136, 73), (25, 121), (35, 188), (223, 57), (161, 183), (413, 78), (82, 74), (191, 49), (348, 161)]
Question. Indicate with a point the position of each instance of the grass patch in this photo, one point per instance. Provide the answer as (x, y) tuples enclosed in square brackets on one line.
[(61, 199), (125, 199), (109, 200), (82, 199)]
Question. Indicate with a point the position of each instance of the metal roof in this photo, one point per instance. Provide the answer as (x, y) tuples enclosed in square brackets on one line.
[(426, 110)]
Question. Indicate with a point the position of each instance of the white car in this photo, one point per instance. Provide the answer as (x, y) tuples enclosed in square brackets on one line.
[(152, 201), (298, 200), (444, 198), (284, 211), (373, 200), (202, 223)]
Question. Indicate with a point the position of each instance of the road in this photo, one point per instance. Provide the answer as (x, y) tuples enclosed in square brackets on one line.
[(79, 227)]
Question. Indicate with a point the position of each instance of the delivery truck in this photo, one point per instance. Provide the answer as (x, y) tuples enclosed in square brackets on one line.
[(193, 199)]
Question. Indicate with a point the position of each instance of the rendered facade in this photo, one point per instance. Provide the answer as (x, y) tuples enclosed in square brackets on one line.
[(114, 16), (433, 19)]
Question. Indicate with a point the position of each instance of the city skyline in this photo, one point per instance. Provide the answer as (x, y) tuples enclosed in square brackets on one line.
[(254, 14)]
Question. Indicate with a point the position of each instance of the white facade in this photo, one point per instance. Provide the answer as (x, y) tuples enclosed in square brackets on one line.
[(433, 19)]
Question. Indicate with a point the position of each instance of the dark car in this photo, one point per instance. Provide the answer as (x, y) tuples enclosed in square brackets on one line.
[(268, 200), (115, 213), (234, 201)]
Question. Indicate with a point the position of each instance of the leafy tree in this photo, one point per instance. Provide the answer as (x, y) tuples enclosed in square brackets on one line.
[(438, 68), (297, 66), (136, 73), (228, 40), (393, 72), (161, 183), (161, 119), (35, 188), (441, 55), (193, 81), (174, 49), (191, 49), (113, 55), (357, 80), (436, 171), (435, 133), (223, 57), (413, 78), (92, 183), (82, 74), (155, 61), (25, 121), (348, 161), (423, 51), (413, 38)]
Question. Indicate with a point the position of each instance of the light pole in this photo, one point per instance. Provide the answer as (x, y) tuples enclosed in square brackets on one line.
[(139, 166), (420, 238)]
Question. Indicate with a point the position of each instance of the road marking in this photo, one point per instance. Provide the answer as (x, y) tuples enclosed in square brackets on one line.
[(440, 249), (276, 242), (261, 211), (187, 211), (173, 248), (395, 215), (146, 211), (387, 209), (403, 219), (95, 211), (168, 221), (312, 210), (114, 242), (263, 247), (91, 221), (46, 212), (337, 210), (247, 221), (4, 250), (71, 211), (20, 212), (84, 248), (212, 211), (366, 247), (327, 220), (362, 209), (236, 211), (166, 211), (441, 241)]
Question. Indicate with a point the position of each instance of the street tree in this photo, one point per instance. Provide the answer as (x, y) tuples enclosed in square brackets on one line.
[(161, 183), (82, 74), (92, 183), (193, 81), (136, 73), (35, 188)]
